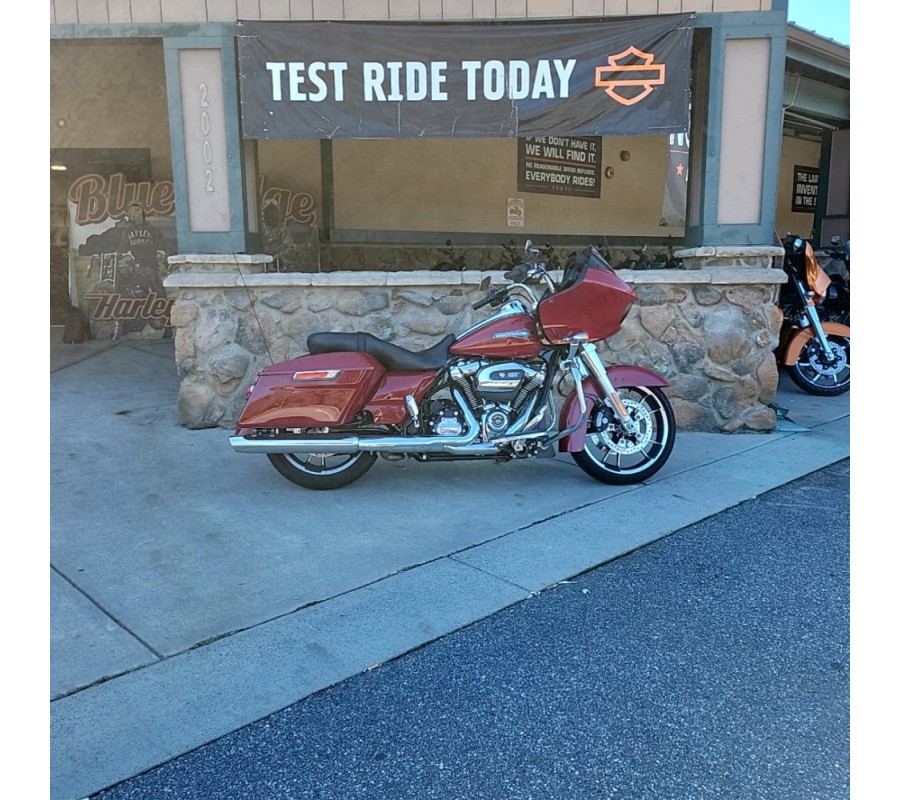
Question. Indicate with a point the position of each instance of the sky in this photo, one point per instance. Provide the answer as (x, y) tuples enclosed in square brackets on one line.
[(828, 18)]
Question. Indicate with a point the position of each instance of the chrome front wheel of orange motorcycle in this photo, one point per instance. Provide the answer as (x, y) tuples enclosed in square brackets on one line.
[(816, 374), (613, 455)]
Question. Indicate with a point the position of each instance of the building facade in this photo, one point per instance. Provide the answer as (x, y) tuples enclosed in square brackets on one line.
[(219, 120)]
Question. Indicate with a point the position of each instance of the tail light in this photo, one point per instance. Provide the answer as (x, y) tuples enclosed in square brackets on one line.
[(317, 375)]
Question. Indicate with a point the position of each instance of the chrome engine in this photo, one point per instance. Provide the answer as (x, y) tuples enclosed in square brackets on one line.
[(501, 396)]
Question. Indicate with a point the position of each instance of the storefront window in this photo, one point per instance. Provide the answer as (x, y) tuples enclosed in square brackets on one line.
[(111, 191)]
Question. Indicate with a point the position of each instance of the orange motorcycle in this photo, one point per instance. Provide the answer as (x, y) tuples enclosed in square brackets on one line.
[(814, 352)]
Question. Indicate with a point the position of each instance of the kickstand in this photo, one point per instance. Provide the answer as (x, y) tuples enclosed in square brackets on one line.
[(780, 412)]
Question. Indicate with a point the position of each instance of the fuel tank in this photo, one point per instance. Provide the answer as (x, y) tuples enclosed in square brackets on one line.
[(504, 335)]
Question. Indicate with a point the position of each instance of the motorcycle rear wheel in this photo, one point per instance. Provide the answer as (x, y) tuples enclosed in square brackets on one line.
[(322, 471), (613, 456), (815, 375)]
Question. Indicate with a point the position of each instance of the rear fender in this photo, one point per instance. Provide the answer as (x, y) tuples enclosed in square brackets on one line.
[(803, 335), (620, 377)]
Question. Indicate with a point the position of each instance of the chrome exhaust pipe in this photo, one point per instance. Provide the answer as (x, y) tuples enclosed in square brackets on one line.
[(241, 444), (404, 445)]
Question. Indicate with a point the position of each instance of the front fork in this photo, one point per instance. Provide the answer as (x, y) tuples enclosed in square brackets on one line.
[(812, 315), (584, 360)]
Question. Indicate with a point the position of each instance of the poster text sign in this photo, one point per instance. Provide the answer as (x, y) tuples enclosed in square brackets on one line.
[(560, 165), (806, 189)]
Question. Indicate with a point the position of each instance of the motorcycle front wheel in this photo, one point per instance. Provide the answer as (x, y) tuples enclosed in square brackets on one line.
[(815, 374), (322, 470), (612, 455)]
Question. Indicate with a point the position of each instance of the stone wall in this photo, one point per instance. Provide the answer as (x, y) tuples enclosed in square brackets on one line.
[(710, 332)]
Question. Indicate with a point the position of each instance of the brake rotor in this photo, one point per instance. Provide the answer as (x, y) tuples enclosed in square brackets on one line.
[(611, 435)]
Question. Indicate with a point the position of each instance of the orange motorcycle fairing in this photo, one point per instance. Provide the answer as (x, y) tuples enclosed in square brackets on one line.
[(802, 335)]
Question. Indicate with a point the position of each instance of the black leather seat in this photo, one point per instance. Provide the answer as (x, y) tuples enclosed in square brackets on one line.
[(393, 357)]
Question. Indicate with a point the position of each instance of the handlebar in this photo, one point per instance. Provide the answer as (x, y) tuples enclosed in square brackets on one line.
[(517, 274), (490, 297), (531, 271), (481, 303)]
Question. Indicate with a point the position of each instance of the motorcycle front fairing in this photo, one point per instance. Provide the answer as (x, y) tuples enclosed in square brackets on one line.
[(594, 303), (621, 377)]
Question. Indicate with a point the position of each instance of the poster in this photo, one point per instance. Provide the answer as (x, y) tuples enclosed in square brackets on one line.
[(806, 189), (120, 235), (567, 165)]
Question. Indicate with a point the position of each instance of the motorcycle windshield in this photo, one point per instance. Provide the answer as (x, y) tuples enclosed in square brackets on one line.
[(816, 278)]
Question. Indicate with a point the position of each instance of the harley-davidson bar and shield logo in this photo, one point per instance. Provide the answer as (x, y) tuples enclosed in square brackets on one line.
[(631, 76)]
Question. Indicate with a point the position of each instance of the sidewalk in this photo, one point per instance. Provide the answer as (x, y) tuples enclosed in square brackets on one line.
[(195, 590)]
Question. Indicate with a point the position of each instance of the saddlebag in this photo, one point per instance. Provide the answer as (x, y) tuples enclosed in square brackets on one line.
[(312, 391)]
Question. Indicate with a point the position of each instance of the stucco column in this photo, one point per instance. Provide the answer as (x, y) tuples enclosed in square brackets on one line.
[(212, 169), (736, 129)]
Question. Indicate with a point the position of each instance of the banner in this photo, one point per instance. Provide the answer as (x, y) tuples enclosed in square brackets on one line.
[(328, 80), (674, 208)]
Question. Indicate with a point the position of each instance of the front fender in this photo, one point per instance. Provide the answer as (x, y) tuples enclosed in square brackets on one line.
[(620, 377), (803, 335)]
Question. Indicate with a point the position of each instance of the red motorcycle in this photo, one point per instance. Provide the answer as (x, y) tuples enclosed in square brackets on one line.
[(323, 418)]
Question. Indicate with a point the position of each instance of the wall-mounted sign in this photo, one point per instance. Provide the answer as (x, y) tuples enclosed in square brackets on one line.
[(806, 189), (560, 165), (326, 80), (515, 212)]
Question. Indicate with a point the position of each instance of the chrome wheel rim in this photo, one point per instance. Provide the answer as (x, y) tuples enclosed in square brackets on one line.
[(321, 463), (820, 372)]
